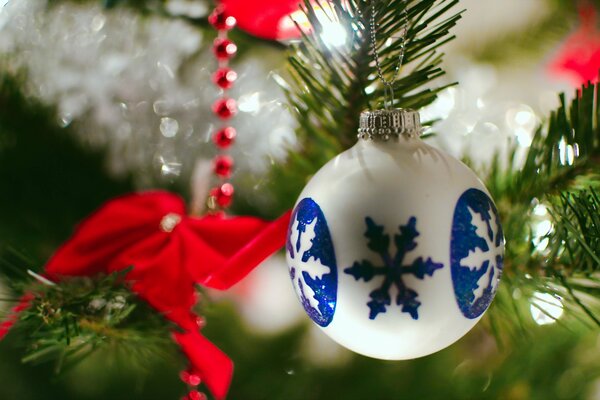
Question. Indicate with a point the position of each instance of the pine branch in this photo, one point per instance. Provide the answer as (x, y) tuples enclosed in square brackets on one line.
[(560, 174), (68, 321), (329, 87)]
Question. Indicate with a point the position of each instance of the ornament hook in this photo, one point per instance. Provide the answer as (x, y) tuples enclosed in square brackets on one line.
[(388, 85)]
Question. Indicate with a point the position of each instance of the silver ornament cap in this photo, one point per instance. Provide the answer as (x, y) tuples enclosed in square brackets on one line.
[(389, 124)]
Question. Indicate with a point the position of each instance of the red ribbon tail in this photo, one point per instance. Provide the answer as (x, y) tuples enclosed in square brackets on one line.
[(271, 239), (207, 361), (13, 316)]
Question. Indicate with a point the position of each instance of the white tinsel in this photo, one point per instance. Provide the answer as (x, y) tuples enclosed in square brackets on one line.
[(141, 85)]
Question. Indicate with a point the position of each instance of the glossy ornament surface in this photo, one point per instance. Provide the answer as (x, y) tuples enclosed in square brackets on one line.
[(395, 248)]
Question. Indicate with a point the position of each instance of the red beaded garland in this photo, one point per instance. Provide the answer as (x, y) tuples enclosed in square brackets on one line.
[(223, 166), (195, 395), (221, 197), (223, 194), (225, 108), (224, 78), (225, 137), (190, 378), (220, 20), (224, 48)]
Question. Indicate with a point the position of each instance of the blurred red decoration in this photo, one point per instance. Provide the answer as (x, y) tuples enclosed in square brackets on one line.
[(220, 20), (225, 137), (224, 49), (579, 56), (224, 78), (190, 378), (195, 395), (267, 19), (223, 166), (223, 194), (225, 108), (169, 253)]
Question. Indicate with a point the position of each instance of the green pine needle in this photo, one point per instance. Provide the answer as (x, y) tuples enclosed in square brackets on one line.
[(561, 173), (68, 321), (328, 87)]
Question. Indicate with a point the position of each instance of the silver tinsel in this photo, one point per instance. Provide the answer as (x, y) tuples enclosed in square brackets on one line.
[(141, 86)]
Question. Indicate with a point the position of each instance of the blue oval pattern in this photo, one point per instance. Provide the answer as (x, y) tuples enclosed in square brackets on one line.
[(476, 252), (313, 267)]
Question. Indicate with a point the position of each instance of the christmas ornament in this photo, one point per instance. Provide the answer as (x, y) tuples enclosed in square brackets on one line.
[(394, 248), (169, 254)]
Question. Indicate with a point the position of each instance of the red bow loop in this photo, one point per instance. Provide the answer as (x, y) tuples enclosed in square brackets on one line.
[(169, 252)]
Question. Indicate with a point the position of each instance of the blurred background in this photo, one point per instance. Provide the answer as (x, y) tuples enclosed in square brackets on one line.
[(113, 96)]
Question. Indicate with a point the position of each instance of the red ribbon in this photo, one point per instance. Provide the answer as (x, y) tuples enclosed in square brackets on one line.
[(169, 253)]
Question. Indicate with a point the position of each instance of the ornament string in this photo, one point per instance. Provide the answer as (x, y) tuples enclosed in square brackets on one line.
[(388, 85)]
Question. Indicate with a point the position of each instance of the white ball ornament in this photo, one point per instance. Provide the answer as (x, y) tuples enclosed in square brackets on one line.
[(395, 248)]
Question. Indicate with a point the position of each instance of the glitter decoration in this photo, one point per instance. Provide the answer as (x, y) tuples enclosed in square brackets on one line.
[(476, 252), (393, 268), (313, 268)]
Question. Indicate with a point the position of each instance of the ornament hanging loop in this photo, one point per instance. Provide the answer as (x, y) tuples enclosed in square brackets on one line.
[(388, 85), (388, 96)]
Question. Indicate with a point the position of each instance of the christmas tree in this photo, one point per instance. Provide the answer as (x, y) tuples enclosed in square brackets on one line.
[(103, 292)]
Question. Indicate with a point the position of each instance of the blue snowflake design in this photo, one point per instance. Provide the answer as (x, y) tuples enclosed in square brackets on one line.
[(393, 268), (313, 266), (476, 252)]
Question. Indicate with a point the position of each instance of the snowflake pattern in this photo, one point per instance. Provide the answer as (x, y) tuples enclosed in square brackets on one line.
[(393, 268), (311, 259), (477, 252), (485, 261)]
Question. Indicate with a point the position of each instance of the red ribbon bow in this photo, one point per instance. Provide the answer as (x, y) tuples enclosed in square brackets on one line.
[(169, 253)]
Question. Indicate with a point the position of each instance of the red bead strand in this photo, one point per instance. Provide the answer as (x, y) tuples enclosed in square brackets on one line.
[(225, 108), (224, 78), (224, 138)]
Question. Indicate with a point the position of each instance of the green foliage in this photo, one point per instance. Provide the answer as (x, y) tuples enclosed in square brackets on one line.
[(329, 87), (48, 180), (560, 173), (529, 43), (561, 365), (67, 321)]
